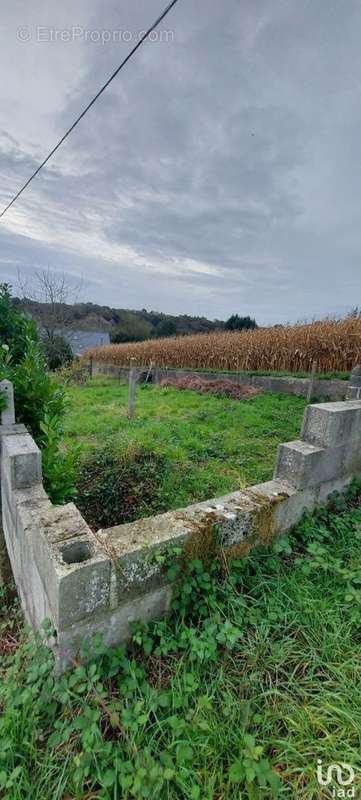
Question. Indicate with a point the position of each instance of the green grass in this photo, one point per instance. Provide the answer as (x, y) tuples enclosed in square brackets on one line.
[(322, 376), (211, 445), (254, 676)]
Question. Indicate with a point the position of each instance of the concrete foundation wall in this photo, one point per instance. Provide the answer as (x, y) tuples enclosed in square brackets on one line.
[(88, 583), (330, 389)]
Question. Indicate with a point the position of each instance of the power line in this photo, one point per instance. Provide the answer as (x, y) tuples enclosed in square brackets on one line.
[(105, 85)]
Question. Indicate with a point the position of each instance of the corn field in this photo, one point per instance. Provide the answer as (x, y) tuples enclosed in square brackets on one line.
[(335, 345)]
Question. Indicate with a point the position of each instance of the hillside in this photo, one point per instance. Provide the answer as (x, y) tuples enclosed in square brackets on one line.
[(123, 325)]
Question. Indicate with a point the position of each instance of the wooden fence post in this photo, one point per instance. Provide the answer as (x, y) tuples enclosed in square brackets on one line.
[(149, 372), (132, 388), (312, 381), (91, 367)]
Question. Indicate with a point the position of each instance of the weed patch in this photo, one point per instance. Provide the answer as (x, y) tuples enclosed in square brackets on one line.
[(221, 387), (114, 488), (254, 676)]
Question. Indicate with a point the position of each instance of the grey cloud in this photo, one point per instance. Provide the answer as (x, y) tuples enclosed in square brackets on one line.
[(220, 172)]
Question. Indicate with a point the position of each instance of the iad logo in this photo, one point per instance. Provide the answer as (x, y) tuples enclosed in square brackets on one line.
[(337, 776)]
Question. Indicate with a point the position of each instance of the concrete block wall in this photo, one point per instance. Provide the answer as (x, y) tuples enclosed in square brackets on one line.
[(88, 583), (329, 448), (38, 536), (328, 389)]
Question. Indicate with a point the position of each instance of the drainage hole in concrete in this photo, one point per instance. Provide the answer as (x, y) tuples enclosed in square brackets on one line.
[(76, 552)]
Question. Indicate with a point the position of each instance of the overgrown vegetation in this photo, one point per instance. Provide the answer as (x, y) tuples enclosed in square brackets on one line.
[(39, 401), (254, 676), (193, 446), (222, 387), (114, 488), (333, 344), (58, 352)]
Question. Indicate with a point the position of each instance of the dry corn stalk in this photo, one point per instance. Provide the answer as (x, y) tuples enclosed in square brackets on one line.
[(333, 344)]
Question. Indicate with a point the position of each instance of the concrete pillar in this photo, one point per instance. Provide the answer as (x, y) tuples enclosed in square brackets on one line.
[(354, 389), (7, 418), (329, 448), (20, 469), (8, 415), (20, 461)]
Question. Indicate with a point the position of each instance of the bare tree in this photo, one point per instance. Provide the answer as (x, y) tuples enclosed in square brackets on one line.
[(55, 293), (50, 296)]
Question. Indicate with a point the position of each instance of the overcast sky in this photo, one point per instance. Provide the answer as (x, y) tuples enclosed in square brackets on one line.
[(219, 173)]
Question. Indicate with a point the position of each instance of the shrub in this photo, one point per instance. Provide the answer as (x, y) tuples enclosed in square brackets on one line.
[(75, 373), (35, 394), (15, 327), (39, 402), (59, 464), (58, 352)]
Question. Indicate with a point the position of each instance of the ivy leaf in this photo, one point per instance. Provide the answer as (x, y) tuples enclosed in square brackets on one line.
[(237, 772), (184, 753), (109, 778)]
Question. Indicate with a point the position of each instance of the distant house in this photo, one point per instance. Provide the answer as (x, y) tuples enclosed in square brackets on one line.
[(81, 341)]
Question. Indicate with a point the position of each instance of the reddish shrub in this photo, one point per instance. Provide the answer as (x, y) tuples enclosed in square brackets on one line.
[(224, 387)]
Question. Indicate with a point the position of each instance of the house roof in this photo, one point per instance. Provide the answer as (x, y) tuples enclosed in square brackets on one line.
[(81, 341)]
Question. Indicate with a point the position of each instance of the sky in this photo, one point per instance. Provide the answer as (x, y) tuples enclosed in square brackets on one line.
[(219, 173)]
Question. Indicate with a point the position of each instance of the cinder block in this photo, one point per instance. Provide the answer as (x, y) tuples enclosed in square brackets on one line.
[(304, 465), (353, 393), (114, 627), (64, 522), (8, 511), (9, 530), (83, 580), (289, 504), (332, 424), (232, 515), (326, 489), (21, 461), (8, 415), (141, 551), (74, 569), (138, 552), (7, 430), (296, 462), (352, 459), (355, 377)]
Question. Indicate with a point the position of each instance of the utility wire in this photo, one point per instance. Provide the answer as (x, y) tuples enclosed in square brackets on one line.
[(114, 74)]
